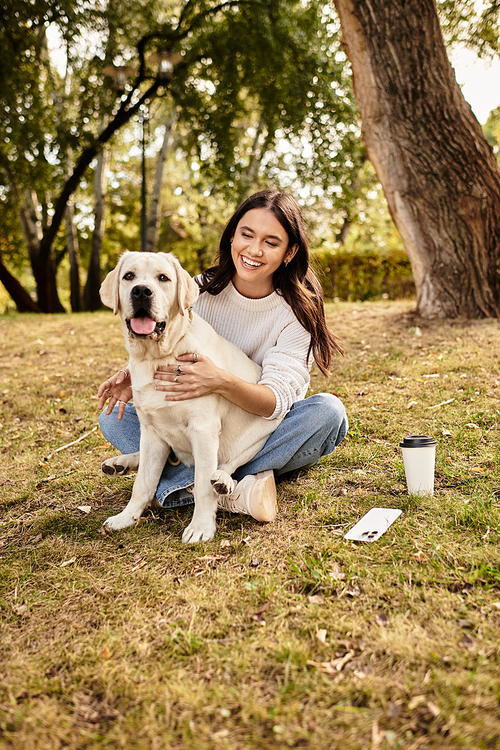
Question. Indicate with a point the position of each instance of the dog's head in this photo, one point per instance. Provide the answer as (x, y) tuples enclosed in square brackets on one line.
[(148, 289)]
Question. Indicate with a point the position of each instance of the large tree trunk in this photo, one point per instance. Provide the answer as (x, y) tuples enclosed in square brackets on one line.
[(91, 294), (439, 174), (44, 269), (21, 298)]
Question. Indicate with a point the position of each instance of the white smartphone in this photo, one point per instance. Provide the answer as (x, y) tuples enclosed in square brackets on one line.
[(373, 525)]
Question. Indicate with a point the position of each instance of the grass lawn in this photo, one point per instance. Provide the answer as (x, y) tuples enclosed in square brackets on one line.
[(279, 635)]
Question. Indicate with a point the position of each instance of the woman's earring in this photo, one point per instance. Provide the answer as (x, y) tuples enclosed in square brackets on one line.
[(286, 262)]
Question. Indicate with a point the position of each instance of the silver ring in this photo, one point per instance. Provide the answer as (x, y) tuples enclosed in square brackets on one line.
[(122, 402), (125, 372), (106, 390), (196, 356), (176, 379), (179, 369)]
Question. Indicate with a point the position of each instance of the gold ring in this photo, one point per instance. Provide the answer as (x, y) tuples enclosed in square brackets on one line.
[(196, 356)]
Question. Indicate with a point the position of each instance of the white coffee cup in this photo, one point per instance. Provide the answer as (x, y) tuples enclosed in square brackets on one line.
[(419, 454)]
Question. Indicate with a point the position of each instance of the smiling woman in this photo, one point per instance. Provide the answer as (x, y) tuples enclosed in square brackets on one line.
[(263, 297), (258, 248)]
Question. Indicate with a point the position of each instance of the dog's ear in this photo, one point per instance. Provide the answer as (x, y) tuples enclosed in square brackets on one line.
[(187, 288), (109, 287)]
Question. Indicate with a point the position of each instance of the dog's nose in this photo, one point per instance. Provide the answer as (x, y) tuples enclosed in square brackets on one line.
[(141, 293)]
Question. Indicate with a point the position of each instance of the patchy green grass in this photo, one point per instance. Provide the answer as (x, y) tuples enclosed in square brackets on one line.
[(280, 635)]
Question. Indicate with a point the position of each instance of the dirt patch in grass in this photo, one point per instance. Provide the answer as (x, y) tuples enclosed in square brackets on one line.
[(283, 635)]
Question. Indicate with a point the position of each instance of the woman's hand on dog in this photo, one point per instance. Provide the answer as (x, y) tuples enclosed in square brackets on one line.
[(118, 388), (193, 377)]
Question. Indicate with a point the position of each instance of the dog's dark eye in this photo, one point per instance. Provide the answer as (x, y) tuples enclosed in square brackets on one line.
[(162, 277), (129, 276)]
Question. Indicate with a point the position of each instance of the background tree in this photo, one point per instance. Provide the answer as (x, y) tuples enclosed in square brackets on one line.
[(438, 172), (233, 109)]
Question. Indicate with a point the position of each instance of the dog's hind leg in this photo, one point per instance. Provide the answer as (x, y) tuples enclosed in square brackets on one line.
[(154, 453), (120, 465)]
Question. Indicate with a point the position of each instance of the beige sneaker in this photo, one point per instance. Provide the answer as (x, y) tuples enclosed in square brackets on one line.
[(255, 495)]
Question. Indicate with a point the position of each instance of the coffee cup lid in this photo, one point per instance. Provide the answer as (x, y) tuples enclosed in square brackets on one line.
[(417, 441)]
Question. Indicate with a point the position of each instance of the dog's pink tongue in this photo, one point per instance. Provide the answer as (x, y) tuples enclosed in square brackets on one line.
[(144, 326)]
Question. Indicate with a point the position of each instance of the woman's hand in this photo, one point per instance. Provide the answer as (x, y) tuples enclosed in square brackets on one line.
[(194, 376), (118, 388)]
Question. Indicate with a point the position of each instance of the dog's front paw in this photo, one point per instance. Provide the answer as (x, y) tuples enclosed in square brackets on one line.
[(197, 532), (122, 521), (118, 466), (222, 483)]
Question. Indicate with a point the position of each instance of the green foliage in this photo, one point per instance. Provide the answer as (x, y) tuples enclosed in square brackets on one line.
[(491, 129), (268, 80), (288, 114), (349, 276), (475, 25)]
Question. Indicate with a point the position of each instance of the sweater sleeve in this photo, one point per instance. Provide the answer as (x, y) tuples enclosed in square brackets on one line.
[(285, 368)]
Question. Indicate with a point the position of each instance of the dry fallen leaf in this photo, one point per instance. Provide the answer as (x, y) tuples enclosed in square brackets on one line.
[(419, 556), (337, 572), (417, 700), (139, 566), (381, 619), (466, 641), (258, 619), (316, 599), (324, 666), (351, 591), (20, 609), (85, 508), (68, 562), (220, 734), (225, 543), (433, 709), (321, 635), (105, 653), (335, 666), (257, 616)]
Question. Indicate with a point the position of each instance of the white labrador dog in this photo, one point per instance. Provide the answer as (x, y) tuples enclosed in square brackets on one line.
[(153, 295)]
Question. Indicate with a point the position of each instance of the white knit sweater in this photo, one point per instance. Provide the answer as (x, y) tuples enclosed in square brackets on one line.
[(270, 334)]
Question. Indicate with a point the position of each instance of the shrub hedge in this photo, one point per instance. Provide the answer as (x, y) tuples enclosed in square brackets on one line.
[(350, 276)]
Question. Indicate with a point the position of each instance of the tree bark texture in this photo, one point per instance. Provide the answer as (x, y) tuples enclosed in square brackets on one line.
[(74, 259), (44, 270), (92, 299), (154, 218), (438, 172), (20, 296)]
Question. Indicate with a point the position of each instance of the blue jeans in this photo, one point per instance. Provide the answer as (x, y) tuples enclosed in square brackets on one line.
[(312, 428)]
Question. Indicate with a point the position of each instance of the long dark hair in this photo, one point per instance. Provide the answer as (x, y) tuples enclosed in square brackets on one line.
[(295, 282)]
